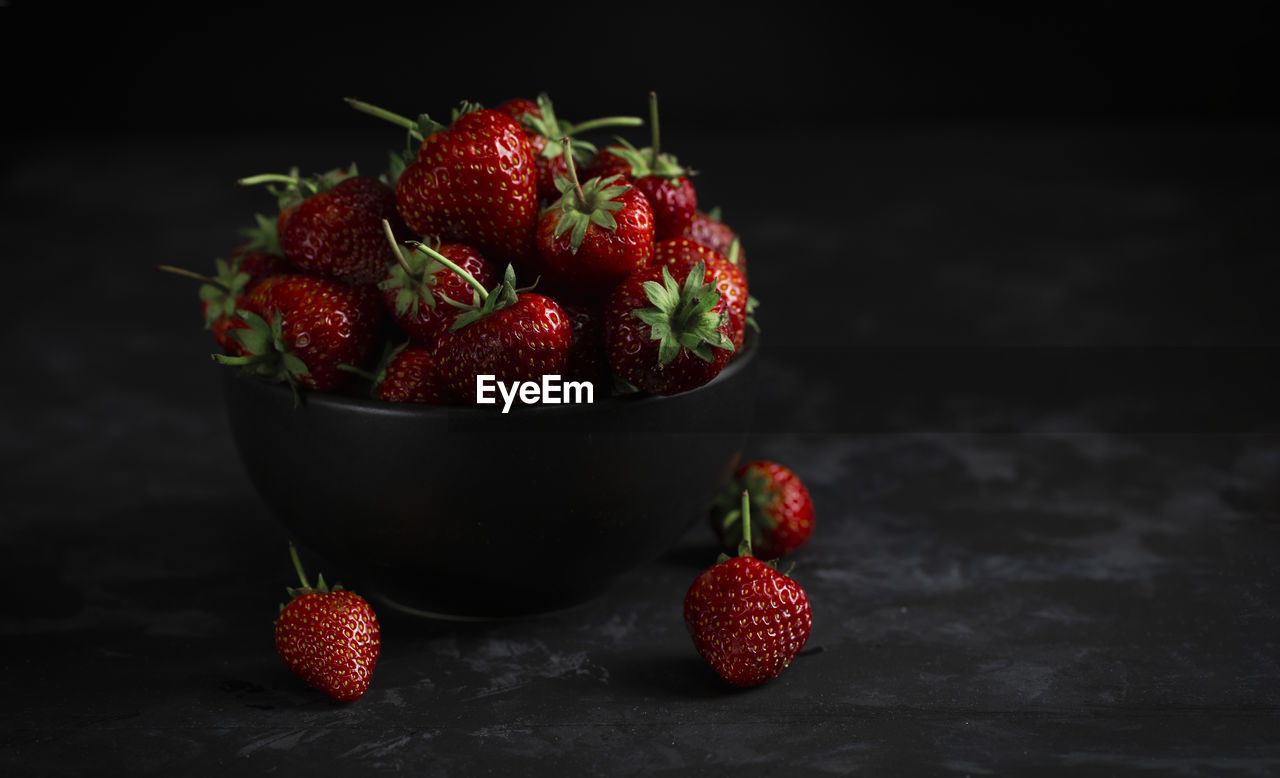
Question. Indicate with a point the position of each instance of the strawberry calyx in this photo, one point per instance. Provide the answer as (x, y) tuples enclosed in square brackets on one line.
[(267, 356), (432, 261), (263, 236), (745, 545), (218, 292), (582, 205), (548, 125), (291, 188), (755, 492), (412, 277), (504, 295), (682, 316), (320, 587), (650, 160)]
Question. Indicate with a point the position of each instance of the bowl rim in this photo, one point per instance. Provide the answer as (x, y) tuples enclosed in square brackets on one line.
[(356, 403)]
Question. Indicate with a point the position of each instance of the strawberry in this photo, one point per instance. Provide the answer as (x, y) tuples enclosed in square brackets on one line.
[(586, 360), (709, 229), (667, 332), (747, 620), (596, 234), (657, 174), (407, 373), (332, 225), (728, 278), (415, 284), (781, 509), (544, 132), (473, 181), (301, 328), (329, 637)]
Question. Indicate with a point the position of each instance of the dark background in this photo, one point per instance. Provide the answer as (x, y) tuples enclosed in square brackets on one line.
[(1017, 271)]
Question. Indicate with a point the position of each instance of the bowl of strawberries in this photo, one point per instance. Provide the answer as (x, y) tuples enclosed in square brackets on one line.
[(490, 380)]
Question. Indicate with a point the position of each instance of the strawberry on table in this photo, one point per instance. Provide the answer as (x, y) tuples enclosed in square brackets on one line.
[(664, 182), (544, 131), (331, 225), (782, 517), (667, 332), (328, 636), (302, 328), (473, 181), (596, 234), (747, 620)]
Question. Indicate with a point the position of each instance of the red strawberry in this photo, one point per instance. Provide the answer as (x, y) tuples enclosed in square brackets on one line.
[(667, 332), (302, 328), (472, 182), (657, 174), (586, 360), (728, 278), (747, 620), (513, 335), (596, 234), (407, 373), (544, 132), (332, 226), (781, 509), (415, 284), (329, 637), (710, 230)]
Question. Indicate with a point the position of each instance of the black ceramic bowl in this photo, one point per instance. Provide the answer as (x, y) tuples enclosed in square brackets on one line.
[(467, 512)]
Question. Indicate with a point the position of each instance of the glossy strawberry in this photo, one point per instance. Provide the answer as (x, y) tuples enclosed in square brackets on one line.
[(658, 175), (303, 328), (782, 517), (544, 131), (747, 620), (407, 373), (332, 225), (416, 284), (473, 181), (329, 637), (596, 234), (667, 332), (728, 278), (513, 335), (710, 230)]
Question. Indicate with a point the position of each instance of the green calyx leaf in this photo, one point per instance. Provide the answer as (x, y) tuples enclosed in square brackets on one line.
[(555, 129), (501, 296), (267, 356), (262, 236), (594, 202), (644, 162), (682, 316), (291, 189), (413, 280), (220, 297)]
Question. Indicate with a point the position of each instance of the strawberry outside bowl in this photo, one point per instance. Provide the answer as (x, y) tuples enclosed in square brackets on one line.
[(469, 513)]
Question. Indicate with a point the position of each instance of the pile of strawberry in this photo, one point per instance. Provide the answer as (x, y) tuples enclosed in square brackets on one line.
[(502, 243)]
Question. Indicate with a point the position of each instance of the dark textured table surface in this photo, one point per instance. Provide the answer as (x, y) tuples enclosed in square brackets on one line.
[(1024, 370)]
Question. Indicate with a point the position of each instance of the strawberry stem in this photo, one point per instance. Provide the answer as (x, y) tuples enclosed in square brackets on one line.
[(297, 565), (573, 172), (653, 121), (382, 113), (178, 271), (437, 256), (604, 121), (744, 548), (268, 178)]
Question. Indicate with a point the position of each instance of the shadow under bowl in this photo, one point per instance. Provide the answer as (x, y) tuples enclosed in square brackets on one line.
[(467, 512)]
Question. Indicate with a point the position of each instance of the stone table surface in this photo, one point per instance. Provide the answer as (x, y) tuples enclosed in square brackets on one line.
[(1023, 369)]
